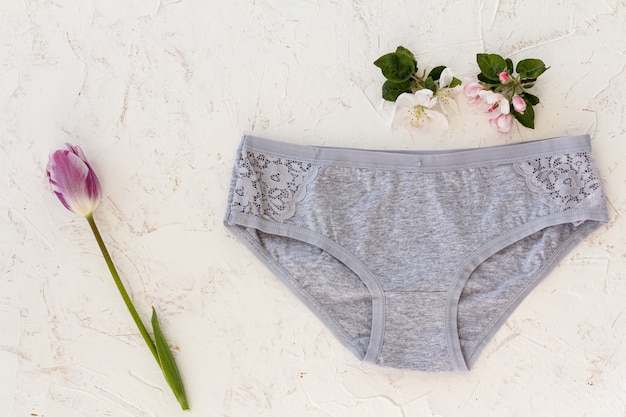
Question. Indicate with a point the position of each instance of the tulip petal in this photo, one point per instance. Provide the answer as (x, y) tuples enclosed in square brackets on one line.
[(73, 180)]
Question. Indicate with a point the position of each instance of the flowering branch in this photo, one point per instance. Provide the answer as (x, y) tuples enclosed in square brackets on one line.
[(415, 93), (76, 185), (499, 88)]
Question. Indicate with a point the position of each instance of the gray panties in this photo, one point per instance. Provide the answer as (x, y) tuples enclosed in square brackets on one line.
[(414, 259)]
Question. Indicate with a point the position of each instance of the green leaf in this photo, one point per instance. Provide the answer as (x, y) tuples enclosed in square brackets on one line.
[(455, 82), (392, 90), (526, 119), (530, 68), (435, 73), (401, 50), (532, 99), (397, 66), (491, 65), (486, 80), (509, 65), (168, 365), (430, 84)]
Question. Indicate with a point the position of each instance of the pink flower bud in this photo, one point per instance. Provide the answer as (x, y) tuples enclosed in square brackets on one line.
[(504, 77), (73, 181), (519, 104)]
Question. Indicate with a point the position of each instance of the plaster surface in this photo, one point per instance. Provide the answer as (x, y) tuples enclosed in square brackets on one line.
[(158, 94)]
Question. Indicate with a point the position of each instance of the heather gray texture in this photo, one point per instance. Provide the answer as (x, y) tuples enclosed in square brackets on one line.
[(414, 259)]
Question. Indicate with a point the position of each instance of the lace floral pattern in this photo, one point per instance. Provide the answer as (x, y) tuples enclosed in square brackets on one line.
[(269, 186), (563, 181)]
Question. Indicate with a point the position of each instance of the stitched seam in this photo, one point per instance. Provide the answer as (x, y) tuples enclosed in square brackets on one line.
[(537, 276), (393, 167), (378, 290), (287, 275), (505, 236)]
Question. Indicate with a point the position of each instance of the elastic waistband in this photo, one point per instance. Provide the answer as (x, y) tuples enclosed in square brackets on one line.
[(419, 159)]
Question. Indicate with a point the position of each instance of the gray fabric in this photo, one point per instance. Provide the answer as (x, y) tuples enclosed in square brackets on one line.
[(414, 259)]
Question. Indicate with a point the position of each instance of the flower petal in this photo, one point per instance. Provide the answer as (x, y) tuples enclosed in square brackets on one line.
[(425, 98), (471, 89), (437, 116), (502, 123), (73, 180), (446, 77), (406, 100), (444, 95), (519, 104)]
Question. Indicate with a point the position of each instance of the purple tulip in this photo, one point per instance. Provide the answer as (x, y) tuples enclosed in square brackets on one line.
[(73, 180), (78, 188)]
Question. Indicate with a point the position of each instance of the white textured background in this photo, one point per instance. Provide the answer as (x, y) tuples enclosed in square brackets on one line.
[(158, 94)]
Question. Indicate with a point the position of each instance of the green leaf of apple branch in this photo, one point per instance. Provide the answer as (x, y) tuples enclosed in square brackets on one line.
[(392, 90), (397, 66), (491, 65), (530, 68)]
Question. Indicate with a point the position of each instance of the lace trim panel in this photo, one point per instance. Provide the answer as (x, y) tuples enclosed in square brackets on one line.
[(269, 186), (564, 181)]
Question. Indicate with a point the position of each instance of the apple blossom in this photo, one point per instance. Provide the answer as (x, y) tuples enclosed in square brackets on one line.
[(415, 109), (502, 122)]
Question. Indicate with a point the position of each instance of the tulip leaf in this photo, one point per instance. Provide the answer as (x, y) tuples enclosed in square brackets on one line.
[(168, 365), (392, 90)]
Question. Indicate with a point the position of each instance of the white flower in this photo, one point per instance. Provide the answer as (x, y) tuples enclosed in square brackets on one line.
[(446, 77), (444, 93), (415, 109)]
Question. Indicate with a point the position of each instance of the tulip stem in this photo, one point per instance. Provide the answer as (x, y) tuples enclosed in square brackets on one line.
[(122, 290)]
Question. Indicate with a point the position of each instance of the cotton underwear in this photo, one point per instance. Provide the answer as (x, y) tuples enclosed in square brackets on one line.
[(414, 259)]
